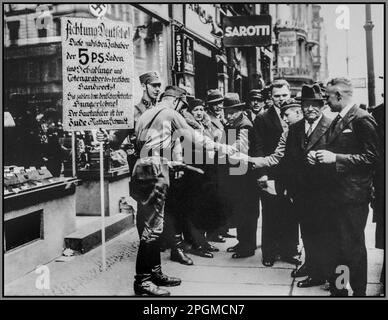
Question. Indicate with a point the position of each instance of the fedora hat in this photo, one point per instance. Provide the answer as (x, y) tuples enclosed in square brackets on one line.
[(311, 93), (232, 100), (214, 96)]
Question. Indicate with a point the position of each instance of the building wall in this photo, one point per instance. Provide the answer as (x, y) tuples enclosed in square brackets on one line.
[(310, 61)]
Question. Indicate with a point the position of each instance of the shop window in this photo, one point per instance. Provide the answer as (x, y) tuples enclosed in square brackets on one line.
[(42, 33), (22, 230), (57, 26), (13, 27)]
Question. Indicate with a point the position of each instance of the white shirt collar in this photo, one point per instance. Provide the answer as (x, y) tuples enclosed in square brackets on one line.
[(314, 124), (345, 110)]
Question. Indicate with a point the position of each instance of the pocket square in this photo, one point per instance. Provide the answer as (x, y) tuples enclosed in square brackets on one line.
[(347, 131)]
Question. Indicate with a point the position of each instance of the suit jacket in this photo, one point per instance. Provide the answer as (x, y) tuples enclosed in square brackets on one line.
[(265, 137), (355, 143), (304, 181)]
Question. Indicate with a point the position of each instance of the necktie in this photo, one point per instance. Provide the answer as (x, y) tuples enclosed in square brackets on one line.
[(310, 130), (334, 123), (308, 134)]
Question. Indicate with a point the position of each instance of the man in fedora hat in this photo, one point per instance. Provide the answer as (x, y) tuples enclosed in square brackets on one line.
[(306, 184), (256, 104), (279, 235), (157, 131), (244, 201), (214, 104), (349, 157)]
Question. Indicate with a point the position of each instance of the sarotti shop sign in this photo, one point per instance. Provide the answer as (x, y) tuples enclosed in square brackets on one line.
[(247, 31)]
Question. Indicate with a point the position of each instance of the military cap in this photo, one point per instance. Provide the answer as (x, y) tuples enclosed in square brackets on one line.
[(176, 92), (290, 103), (150, 77), (255, 94)]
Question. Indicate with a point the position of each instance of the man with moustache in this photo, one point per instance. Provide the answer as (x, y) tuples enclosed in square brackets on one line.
[(305, 184), (279, 234), (349, 157)]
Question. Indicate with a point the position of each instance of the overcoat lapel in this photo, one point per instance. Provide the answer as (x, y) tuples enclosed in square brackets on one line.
[(319, 131), (342, 124)]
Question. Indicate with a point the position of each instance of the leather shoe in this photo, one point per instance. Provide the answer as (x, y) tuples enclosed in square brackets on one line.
[(160, 279), (208, 247), (339, 293), (216, 238), (200, 251), (239, 254), (301, 272), (148, 288), (232, 249), (178, 255), (268, 262), (292, 260), (310, 282)]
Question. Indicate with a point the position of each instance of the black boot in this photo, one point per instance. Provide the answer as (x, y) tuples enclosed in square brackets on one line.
[(160, 279), (143, 286)]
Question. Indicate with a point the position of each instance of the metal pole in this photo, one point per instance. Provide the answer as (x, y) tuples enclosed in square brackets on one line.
[(73, 151), (347, 52), (102, 205), (369, 55)]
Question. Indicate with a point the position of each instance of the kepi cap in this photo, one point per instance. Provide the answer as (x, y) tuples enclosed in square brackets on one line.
[(150, 77)]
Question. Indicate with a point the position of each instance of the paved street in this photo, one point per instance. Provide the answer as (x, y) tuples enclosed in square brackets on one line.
[(221, 276)]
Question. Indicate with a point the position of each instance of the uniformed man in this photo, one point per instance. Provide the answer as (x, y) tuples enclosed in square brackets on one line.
[(151, 84), (156, 132)]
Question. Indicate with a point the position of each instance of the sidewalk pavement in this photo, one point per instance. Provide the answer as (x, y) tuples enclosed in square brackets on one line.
[(220, 276)]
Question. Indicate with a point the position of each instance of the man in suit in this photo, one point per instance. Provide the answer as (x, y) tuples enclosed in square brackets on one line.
[(256, 104), (244, 201), (305, 184), (350, 156), (279, 232)]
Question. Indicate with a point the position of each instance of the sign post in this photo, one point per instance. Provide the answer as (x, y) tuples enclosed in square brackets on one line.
[(97, 60)]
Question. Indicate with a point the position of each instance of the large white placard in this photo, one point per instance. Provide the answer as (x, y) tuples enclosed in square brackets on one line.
[(97, 60)]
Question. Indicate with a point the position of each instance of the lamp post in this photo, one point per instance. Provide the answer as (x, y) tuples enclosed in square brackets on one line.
[(369, 55)]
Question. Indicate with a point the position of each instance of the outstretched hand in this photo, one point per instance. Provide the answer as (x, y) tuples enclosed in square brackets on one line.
[(101, 136)]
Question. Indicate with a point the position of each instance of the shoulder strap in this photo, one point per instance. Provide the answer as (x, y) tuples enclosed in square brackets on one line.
[(153, 119)]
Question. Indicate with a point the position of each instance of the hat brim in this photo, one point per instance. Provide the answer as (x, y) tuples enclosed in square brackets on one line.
[(236, 106), (214, 101), (309, 99), (155, 82), (257, 97)]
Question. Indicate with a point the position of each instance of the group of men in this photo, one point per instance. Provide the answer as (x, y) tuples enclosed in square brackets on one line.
[(307, 169)]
